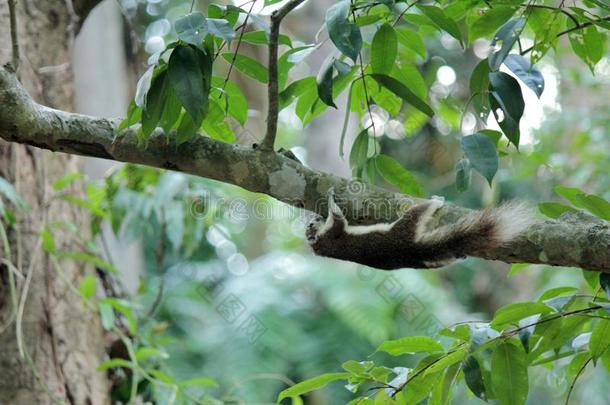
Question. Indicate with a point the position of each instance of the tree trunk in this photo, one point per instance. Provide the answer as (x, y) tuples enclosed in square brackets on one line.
[(49, 354)]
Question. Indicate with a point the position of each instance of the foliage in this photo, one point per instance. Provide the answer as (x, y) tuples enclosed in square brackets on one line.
[(385, 60), (381, 57)]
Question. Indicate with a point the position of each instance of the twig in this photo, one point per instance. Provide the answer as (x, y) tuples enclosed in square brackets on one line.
[(427, 366), (273, 86), (24, 296), (404, 12), (561, 10), (366, 94), (14, 38), (513, 332), (241, 35), (569, 30), (576, 378), (159, 259)]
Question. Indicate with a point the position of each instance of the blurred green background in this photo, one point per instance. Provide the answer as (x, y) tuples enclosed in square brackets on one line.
[(246, 303)]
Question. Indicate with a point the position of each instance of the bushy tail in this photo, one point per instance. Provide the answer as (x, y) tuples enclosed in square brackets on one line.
[(480, 231)]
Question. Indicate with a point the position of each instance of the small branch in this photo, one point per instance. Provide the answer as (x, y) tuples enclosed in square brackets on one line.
[(513, 332), (14, 36), (569, 30), (239, 41), (561, 10), (586, 363), (273, 85)]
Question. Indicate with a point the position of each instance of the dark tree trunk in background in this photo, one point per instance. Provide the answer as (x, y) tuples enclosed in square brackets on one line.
[(62, 337)]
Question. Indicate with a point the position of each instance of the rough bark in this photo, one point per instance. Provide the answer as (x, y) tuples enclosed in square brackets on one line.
[(63, 339), (576, 240)]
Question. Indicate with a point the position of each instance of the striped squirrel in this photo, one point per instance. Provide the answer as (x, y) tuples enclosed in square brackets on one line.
[(408, 241)]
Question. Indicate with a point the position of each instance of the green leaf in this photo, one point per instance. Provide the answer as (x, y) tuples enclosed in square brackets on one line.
[(526, 72), (106, 314), (357, 367), (447, 360), (462, 175), (507, 96), (600, 338), (516, 268), (261, 38), (48, 241), (134, 115), (438, 17), (8, 191), (65, 180), (114, 363), (312, 384), (123, 307), (233, 99), (515, 312), (554, 210), (345, 35), (412, 40), (410, 345), (192, 28), (295, 90), (588, 44), (395, 174), (155, 103), (504, 40), (87, 287), (360, 150), (248, 66), (556, 292), (490, 21), (325, 82), (143, 87), (509, 374), (190, 72), (163, 377), (145, 353), (403, 92), (88, 258), (482, 154), (474, 377), (221, 28), (384, 49), (479, 88), (594, 204), (442, 393), (604, 282), (420, 386), (215, 125)]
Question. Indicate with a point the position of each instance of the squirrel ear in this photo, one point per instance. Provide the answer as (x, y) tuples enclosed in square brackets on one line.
[(335, 215), (333, 208)]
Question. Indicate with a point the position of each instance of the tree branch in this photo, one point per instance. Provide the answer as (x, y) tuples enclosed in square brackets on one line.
[(577, 240), (273, 85)]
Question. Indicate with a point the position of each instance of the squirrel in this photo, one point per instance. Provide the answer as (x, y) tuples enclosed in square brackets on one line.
[(407, 242)]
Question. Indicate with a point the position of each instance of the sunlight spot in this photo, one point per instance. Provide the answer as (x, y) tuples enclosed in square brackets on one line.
[(446, 75)]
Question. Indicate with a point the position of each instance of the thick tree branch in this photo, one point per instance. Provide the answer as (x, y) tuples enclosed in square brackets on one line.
[(273, 86), (578, 240)]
